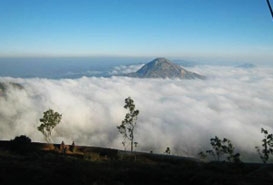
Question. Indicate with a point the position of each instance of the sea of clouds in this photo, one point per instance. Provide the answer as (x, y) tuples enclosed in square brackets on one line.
[(181, 114)]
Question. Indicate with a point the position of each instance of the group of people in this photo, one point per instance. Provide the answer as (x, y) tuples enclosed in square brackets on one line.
[(64, 148)]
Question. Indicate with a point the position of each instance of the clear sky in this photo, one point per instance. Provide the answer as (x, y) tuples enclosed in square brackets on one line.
[(196, 29)]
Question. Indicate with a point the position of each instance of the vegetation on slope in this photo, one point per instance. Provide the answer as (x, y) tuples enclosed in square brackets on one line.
[(47, 164)]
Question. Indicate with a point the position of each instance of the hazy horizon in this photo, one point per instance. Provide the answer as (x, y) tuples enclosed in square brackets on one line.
[(77, 67)]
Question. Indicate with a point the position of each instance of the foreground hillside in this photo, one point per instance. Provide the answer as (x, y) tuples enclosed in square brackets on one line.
[(47, 164)]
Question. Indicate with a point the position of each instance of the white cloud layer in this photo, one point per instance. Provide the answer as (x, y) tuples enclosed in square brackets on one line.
[(181, 114), (124, 69)]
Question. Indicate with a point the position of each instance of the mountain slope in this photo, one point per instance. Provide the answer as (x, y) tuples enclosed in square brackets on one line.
[(163, 68)]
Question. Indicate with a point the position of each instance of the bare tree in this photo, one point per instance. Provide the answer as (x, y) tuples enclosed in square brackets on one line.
[(270, 8), (127, 126), (267, 146), (221, 148)]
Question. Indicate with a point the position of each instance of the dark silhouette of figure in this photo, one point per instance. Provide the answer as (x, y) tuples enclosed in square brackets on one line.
[(72, 147), (62, 148)]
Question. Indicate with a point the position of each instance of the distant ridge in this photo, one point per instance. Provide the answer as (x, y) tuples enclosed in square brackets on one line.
[(5, 85), (164, 68), (246, 65)]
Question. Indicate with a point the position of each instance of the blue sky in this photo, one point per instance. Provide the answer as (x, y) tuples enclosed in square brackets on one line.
[(188, 29)]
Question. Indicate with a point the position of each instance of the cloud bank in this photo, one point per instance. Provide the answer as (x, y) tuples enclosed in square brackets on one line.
[(124, 69), (181, 114)]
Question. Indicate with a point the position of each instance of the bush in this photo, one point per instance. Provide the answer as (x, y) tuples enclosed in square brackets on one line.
[(21, 144), (220, 148)]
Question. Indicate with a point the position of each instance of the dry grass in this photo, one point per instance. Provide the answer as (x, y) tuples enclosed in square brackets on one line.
[(94, 165)]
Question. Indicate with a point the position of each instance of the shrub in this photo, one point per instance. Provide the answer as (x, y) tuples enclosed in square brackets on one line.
[(220, 148), (21, 144), (267, 146)]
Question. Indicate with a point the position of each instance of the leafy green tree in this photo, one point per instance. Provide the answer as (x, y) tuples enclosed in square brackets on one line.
[(49, 121), (127, 127), (267, 145)]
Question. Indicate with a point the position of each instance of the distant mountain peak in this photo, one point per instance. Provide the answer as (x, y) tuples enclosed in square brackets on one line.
[(246, 65), (160, 60), (164, 68)]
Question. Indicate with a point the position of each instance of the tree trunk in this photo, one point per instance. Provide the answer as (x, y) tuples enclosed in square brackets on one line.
[(132, 140), (270, 8)]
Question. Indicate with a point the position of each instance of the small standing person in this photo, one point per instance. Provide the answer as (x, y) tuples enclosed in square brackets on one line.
[(72, 149), (62, 147)]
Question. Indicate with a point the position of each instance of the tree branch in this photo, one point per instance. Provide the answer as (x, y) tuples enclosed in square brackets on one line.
[(270, 8)]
